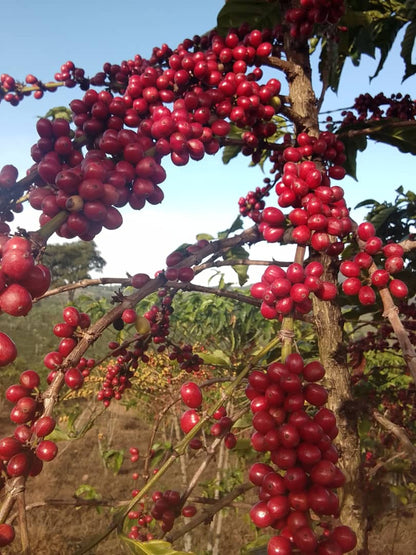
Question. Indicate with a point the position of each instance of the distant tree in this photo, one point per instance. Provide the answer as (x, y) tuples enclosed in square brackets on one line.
[(72, 262)]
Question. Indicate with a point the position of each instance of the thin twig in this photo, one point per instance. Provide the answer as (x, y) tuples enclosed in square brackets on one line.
[(398, 432), (207, 515)]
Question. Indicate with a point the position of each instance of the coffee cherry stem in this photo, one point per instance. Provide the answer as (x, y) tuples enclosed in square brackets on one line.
[(47, 230), (286, 334)]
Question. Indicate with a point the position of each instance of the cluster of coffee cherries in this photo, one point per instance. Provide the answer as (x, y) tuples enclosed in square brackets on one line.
[(293, 425), (191, 396), (119, 372), (69, 332), (21, 278), (208, 86), (24, 452), (13, 91), (368, 107), (165, 507), (359, 282), (253, 203), (283, 292), (303, 18)]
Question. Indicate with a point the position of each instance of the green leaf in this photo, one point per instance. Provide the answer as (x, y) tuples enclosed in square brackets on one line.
[(217, 358), (261, 14), (59, 112), (59, 435), (242, 273), (367, 202), (87, 492), (154, 547), (353, 144), (407, 48), (205, 236), (229, 152), (113, 459), (401, 135), (394, 132)]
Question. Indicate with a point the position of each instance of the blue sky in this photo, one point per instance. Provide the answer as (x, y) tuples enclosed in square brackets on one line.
[(37, 37)]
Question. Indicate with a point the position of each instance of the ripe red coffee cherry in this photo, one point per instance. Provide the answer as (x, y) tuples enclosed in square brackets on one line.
[(191, 395), (394, 264), (19, 464), (315, 394), (188, 420), (279, 545), (294, 363), (16, 392), (29, 379), (258, 471), (367, 295), (393, 249), (295, 479), (8, 351), (398, 288), (74, 378), (260, 515), (46, 450), (6, 534), (313, 371), (278, 506), (349, 268), (129, 316), (380, 278), (305, 539), (344, 537), (71, 316), (16, 300), (9, 446), (363, 259), (351, 286), (44, 426), (273, 216), (365, 231), (189, 511), (373, 245)]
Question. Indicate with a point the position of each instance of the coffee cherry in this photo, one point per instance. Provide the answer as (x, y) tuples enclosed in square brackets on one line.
[(188, 420), (6, 534), (191, 395), (8, 351), (366, 230), (398, 288), (46, 450)]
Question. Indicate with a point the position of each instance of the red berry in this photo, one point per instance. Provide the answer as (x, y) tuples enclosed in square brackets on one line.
[(191, 395)]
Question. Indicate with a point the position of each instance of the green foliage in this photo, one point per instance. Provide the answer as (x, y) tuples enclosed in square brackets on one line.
[(370, 28), (394, 132), (154, 547), (228, 329), (61, 112), (85, 491), (262, 14)]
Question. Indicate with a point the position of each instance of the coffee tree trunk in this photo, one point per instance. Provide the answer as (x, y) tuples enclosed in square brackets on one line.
[(328, 321)]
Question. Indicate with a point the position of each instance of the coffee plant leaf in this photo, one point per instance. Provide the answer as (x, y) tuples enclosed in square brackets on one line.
[(216, 358), (407, 48), (261, 14), (154, 547)]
